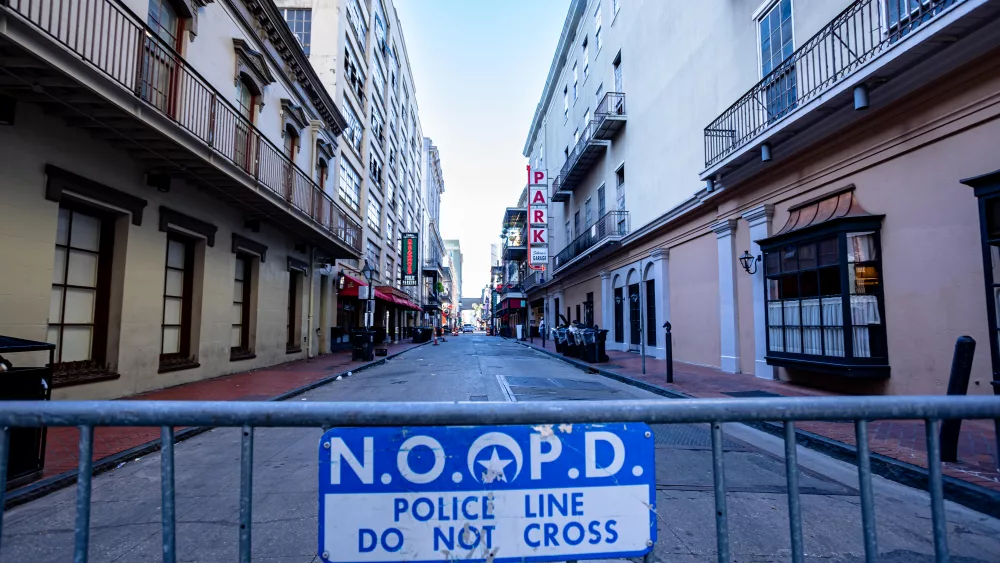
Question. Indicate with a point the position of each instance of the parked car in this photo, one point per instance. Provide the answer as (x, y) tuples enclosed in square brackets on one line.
[(468, 328)]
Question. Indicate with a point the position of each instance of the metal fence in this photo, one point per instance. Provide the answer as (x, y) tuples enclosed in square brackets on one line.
[(249, 415)]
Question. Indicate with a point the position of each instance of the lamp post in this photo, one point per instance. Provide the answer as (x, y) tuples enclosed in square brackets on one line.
[(369, 273)]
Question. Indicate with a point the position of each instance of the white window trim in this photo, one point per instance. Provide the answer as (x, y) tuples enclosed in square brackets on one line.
[(761, 11)]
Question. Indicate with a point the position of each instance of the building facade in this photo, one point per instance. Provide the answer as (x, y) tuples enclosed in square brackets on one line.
[(823, 143), (435, 270), (453, 248), (358, 51), (166, 211)]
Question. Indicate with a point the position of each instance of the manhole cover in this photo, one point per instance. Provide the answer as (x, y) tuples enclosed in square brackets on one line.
[(749, 394), (478, 398)]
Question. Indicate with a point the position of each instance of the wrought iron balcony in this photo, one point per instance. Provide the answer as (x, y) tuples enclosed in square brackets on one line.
[(208, 133), (559, 192), (534, 279), (610, 228), (861, 34), (609, 116), (582, 158)]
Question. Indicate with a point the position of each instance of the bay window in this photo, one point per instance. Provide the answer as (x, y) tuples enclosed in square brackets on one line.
[(825, 307)]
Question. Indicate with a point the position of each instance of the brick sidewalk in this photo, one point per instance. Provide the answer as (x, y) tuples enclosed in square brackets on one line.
[(903, 440), (62, 443)]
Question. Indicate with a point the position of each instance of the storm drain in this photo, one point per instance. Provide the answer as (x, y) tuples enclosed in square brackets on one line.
[(478, 398)]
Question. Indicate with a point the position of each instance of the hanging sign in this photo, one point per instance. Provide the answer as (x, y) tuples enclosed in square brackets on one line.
[(411, 259), (539, 216), (539, 255), (538, 219)]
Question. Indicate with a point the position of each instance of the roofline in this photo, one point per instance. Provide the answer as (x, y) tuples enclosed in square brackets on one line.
[(573, 15)]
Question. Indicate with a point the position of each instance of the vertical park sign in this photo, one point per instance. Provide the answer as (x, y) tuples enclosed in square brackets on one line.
[(538, 219)]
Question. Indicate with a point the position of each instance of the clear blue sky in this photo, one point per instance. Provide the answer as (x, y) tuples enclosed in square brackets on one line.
[(479, 68)]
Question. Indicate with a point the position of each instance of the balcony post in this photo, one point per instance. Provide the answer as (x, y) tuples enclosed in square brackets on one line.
[(759, 219), (729, 322)]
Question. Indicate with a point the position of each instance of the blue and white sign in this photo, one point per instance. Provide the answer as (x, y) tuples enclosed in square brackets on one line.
[(498, 493)]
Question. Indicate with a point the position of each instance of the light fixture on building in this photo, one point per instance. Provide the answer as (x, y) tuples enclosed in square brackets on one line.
[(340, 280), (747, 261), (765, 152), (709, 185), (861, 97)]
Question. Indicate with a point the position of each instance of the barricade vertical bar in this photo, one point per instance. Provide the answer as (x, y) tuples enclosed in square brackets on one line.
[(167, 492), (83, 481), (4, 453), (865, 486), (792, 482), (246, 493), (719, 475), (936, 489)]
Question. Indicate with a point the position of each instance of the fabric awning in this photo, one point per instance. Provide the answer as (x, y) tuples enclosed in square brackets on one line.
[(351, 285)]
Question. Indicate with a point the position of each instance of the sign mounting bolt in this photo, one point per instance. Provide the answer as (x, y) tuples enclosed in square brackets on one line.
[(326, 554), (649, 434), (326, 445), (649, 543)]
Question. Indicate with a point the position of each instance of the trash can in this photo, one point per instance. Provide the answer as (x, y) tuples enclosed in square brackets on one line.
[(364, 346), (562, 341), (589, 336), (27, 445), (602, 341), (422, 334)]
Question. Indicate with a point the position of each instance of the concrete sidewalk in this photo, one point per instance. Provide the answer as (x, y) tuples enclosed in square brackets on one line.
[(901, 440), (272, 383)]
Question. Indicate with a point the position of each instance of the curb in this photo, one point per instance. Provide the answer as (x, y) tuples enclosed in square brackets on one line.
[(980, 499), (49, 485)]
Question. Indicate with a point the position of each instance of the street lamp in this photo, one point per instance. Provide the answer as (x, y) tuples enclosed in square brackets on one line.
[(747, 261), (369, 272)]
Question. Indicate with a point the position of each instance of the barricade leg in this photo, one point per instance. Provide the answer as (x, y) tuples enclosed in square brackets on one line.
[(246, 492), (865, 487), (936, 489), (84, 476), (167, 494), (719, 475), (792, 482)]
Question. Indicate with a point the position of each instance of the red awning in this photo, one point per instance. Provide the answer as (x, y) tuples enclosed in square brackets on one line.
[(351, 285)]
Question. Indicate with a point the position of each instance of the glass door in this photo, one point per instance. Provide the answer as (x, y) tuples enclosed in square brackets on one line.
[(634, 308)]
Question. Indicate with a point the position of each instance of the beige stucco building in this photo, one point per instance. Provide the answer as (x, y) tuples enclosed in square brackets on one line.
[(826, 140), (358, 51), (167, 210)]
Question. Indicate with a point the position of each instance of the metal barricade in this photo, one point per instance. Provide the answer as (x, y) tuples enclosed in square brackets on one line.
[(249, 415)]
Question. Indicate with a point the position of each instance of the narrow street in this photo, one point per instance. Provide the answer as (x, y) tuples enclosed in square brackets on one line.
[(125, 517)]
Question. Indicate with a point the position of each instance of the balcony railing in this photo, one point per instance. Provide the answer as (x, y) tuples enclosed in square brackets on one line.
[(534, 279), (581, 157), (609, 116), (614, 224), (853, 39), (113, 40)]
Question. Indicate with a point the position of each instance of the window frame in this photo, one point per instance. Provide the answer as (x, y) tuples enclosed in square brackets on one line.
[(245, 350), (302, 27), (349, 174), (183, 358), (849, 365), (96, 368)]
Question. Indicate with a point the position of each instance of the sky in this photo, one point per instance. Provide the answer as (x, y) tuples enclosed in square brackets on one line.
[(479, 67)]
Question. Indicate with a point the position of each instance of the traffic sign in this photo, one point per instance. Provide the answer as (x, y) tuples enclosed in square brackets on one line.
[(501, 493)]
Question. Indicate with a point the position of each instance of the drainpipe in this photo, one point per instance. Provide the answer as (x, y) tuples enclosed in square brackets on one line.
[(309, 322)]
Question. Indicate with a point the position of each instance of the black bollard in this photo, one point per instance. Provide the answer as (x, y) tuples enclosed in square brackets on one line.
[(958, 384), (669, 343)]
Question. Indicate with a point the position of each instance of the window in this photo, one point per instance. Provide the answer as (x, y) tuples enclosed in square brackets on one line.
[(378, 125), (387, 271), (776, 45), (588, 212), (352, 72), (300, 22), (586, 118), (240, 335), (350, 185), (372, 253), (586, 59), (565, 102), (598, 95), (178, 286), (378, 79), (905, 15), (78, 306), (576, 223), (354, 131), (294, 326), (569, 234), (824, 299), (374, 214), (577, 314), (576, 138), (379, 31), (244, 143), (322, 173), (357, 23), (164, 21), (597, 26), (601, 208), (615, 4), (620, 195), (375, 168), (617, 66), (575, 80)]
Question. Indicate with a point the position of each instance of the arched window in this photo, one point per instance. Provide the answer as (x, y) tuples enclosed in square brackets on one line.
[(246, 99), (245, 138)]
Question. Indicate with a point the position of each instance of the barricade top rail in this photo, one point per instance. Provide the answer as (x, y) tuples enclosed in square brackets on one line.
[(328, 414)]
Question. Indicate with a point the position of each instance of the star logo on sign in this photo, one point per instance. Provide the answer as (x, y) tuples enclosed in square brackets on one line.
[(494, 468)]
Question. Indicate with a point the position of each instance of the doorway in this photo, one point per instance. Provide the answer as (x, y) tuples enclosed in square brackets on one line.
[(635, 324)]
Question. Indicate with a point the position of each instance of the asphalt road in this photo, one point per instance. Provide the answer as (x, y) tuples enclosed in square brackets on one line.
[(125, 518)]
